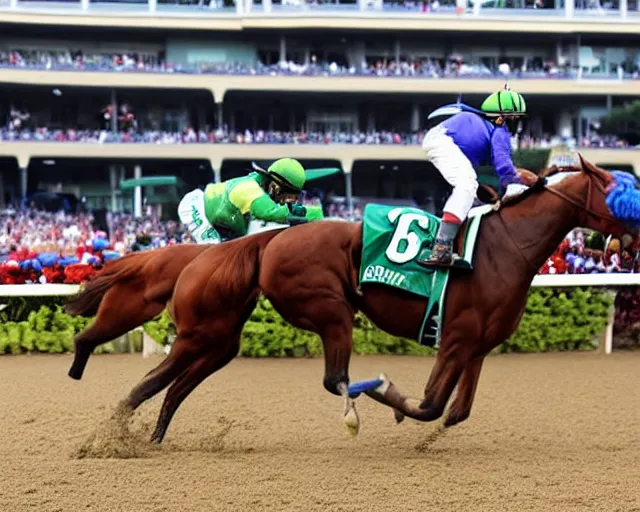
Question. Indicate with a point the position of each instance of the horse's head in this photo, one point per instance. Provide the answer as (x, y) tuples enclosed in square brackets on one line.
[(612, 202)]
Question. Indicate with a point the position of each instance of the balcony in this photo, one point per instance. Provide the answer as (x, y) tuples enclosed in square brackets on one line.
[(219, 83), (346, 154), (361, 15)]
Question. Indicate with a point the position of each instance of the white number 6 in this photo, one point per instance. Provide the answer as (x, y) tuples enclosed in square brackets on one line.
[(402, 233)]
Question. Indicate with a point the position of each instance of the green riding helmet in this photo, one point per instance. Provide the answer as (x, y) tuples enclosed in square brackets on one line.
[(504, 102), (289, 173)]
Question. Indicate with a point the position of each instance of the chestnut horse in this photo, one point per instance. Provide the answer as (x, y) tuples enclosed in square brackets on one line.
[(126, 293), (310, 275), (147, 280)]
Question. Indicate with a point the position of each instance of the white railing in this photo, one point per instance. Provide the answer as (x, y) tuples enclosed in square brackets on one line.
[(540, 281)]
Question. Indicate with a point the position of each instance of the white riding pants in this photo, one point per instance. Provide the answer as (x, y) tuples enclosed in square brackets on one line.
[(455, 167), (191, 213)]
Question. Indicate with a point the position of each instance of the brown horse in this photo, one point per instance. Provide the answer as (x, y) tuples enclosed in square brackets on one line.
[(309, 273), (134, 289), (126, 293)]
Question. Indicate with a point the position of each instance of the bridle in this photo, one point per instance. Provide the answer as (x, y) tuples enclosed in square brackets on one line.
[(586, 208)]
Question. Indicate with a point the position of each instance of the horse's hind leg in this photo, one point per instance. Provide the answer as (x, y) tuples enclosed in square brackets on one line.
[(218, 343), (189, 379), (113, 320), (161, 376), (461, 407)]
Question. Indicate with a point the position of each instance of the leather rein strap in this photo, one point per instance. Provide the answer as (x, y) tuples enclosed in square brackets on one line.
[(584, 208)]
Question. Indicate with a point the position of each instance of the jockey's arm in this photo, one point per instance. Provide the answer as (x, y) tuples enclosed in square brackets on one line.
[(249, 197), (264, 208), (501, 158)]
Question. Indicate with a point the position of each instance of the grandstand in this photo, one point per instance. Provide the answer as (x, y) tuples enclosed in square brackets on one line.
[(97, 92)]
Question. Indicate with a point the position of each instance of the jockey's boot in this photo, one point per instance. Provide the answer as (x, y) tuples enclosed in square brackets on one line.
[(442, 255)]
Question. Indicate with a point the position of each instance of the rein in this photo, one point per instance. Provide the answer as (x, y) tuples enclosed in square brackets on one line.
[(585, 209)]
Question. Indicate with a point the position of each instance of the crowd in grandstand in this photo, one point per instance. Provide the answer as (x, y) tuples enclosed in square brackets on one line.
[(224, 136), (73, 238), (454, 66)]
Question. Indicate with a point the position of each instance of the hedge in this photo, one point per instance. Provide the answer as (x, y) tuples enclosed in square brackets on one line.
[(554, 320)]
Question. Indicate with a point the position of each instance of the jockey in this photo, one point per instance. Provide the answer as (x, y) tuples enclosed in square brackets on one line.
[(223, 210), (462, 142)]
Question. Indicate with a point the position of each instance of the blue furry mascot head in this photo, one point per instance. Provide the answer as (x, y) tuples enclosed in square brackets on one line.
[(623, 199)]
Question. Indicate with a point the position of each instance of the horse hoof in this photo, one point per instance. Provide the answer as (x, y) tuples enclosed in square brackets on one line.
[(399, 416), (352, 421)]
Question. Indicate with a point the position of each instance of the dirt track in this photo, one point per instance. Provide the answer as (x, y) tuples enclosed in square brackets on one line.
[(548, 432)]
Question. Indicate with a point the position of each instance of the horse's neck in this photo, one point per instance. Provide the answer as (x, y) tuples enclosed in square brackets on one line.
[(540, 222)]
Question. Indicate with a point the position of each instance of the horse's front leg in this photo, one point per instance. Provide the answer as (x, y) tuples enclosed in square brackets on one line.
[(450, 362), (337, 342), (461, 406)]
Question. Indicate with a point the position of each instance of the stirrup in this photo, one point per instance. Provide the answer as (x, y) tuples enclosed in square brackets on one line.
[(447, 259)]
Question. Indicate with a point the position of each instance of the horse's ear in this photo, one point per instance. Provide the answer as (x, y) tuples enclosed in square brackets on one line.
[(585, 164)]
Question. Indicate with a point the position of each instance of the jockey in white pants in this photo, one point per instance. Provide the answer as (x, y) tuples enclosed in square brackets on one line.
[(191, 213), (223, 210), (462, 142)]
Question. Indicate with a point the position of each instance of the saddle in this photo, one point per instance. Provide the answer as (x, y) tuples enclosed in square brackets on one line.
[(487, 195)]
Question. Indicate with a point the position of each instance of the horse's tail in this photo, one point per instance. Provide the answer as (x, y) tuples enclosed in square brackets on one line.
[(232, 269), (86, 302), (243, 265)]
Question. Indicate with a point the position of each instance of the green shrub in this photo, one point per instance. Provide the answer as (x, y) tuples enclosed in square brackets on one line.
[(554, 320), (44, 330), (560, 320)]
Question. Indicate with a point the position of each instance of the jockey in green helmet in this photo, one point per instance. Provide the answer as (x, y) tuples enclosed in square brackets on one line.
[(462, 142), (223, 210)]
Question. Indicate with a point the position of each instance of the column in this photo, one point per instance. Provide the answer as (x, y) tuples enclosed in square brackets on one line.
[(152, 5), (569, 6), (476, 8), (2, 204), (349, 192), (23, 186), (397, 52), (624, 6), (114, 109), (283, 49), (137, 193), (609, 103), (123, 176), (232, 121), (347, 166), (564, 125), (415, 118), (371, 121), (113, 180), (217, 175), (239, 7), (266, 4), (84, 5), (13, 4), (559, 56), (219, 118)]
